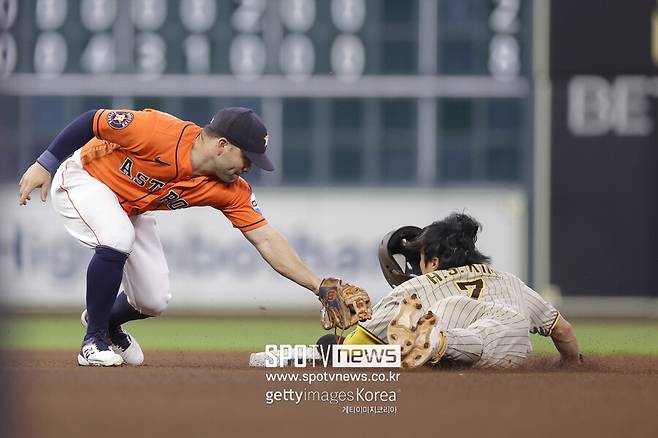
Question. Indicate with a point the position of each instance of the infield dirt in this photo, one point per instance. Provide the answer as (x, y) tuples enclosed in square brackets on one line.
[(189, 394)]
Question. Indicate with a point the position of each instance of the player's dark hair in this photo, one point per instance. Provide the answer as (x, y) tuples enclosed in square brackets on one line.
[(452, 240)]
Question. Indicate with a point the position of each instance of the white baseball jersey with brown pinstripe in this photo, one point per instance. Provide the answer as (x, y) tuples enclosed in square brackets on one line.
[(486, 315)]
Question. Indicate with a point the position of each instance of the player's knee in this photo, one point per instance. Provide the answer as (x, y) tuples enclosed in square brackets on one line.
[(154, 307), (157, 309), (156, 303)]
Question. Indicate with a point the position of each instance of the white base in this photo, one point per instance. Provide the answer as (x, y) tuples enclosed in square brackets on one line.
[(260, 360)]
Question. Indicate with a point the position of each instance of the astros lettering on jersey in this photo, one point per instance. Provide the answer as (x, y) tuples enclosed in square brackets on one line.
[(144, 158)]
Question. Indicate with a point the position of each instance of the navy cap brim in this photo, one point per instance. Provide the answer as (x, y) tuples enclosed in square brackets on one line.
[(260, 160)]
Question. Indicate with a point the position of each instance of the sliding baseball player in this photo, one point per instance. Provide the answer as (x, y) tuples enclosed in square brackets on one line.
[(449, 305)]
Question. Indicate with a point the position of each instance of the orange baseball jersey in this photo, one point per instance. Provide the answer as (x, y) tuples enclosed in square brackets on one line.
[(144, 158)]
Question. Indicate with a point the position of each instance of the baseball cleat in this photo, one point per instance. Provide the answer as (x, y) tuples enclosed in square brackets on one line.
[(428, 343), (95, 351), (126, 346), (122, 343), (400, 329)]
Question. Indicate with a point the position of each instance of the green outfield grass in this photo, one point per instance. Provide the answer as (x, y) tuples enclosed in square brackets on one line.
[(251, 334)]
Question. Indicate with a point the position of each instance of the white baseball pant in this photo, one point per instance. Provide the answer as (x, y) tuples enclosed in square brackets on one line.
[(93, 215)]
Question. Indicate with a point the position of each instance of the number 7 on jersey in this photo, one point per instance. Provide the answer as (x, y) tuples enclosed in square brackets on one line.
[(473, 287)]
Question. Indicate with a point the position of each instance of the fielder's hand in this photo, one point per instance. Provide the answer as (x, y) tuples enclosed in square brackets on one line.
[(35, 176), (343, 304)]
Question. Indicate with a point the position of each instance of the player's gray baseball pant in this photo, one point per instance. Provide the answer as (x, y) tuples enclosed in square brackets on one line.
[(482, 334)]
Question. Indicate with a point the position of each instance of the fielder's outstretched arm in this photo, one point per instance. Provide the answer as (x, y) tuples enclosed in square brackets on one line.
[(564, 338), (275, 249), (71, 138)]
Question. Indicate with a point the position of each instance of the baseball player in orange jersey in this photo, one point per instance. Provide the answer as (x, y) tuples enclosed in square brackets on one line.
[(124, 164), (476, 316)]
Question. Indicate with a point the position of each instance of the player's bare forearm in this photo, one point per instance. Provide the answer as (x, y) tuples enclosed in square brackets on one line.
[(276, 251), (564, 338), (35, 176)]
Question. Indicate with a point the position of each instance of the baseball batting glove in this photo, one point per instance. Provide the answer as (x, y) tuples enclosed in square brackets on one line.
[(343, 304)]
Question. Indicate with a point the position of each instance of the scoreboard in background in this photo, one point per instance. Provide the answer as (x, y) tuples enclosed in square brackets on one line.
[(354, 92), (604, 214), (155, 37), (251, 38)]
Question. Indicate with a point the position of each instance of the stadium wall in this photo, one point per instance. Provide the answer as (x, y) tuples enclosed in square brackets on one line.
[(215, 270)]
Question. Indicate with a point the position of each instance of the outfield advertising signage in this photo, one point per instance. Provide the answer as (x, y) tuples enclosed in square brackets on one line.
[(604, 143)]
